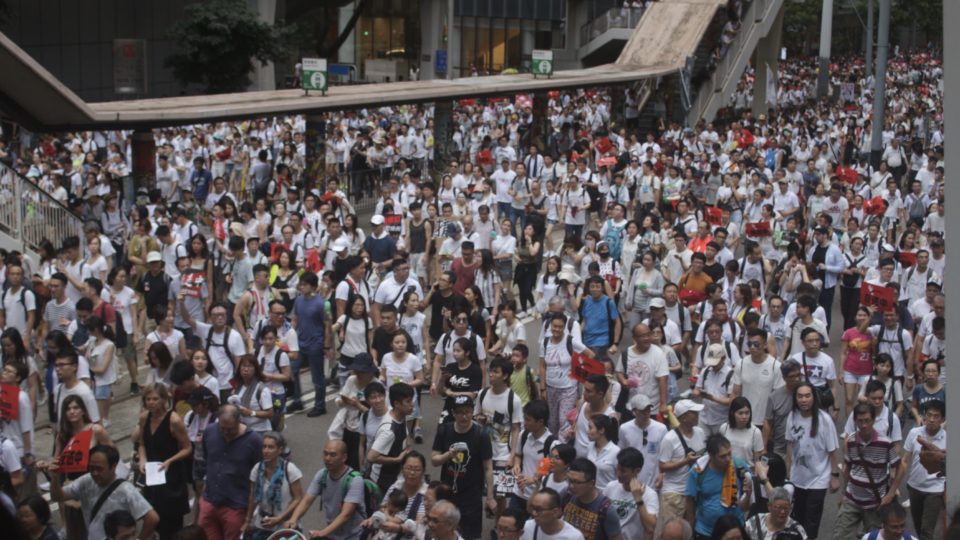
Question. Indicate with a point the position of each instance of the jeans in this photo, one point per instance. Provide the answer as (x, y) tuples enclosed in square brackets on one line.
[(573, 230), (808, 509), (315, 359), (826, 301), (503, 210), (518, 217), (925, 508)]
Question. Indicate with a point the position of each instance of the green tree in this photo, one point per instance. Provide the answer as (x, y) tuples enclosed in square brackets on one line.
[(219, 40)]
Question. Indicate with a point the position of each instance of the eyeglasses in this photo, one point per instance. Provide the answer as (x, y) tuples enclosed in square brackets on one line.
[(755, 344), (460, 320), (535, 511), (578, 482)]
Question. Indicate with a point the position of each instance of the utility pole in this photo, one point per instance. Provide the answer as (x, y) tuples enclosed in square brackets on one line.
[(868, 63), (826, 34), (879, 92)]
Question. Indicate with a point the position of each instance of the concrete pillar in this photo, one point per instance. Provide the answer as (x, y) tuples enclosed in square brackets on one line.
[(767, 55), (431, 37), (314, 138), (540, 127), (144, 152), (442, 134), (347, 53), (263, 76), (826, 34), (618, 104), (951, 65), (453, 42), (880, 85), (868, 60)]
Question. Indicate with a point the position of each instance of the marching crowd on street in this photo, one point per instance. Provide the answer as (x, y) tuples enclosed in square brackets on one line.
[(685, 284)]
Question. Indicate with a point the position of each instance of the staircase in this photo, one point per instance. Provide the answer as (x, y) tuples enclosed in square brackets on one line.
[(714, 93), (29, 215), (603, 38)]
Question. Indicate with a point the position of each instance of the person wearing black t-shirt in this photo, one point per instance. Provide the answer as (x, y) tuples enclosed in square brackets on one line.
[(444, 302), (463, 378), (383, 335), (712, 267), (464, 455)]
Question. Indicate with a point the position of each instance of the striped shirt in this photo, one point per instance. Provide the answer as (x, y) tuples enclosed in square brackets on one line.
[(54, 314), (880, 457)]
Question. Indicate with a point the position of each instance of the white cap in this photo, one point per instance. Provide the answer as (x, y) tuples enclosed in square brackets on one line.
[(640, 402), (339, 245), (686, 405), (154, 256), (658, 303), (377, 220), (715, 355)]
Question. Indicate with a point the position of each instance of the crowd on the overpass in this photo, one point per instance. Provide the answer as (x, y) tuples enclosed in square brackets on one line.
[(687, 283)]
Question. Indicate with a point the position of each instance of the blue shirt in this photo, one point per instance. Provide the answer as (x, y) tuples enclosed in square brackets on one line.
[(597, 315), (201, 183), (706, 495), (380, 249), (309, 313), (228, 466)]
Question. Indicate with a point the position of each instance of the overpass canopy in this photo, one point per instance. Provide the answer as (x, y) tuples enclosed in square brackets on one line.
[(669, 32)]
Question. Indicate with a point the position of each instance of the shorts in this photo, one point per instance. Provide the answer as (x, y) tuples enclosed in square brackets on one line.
[(103, 392), (418, 264), (551, 221), (850, 378)]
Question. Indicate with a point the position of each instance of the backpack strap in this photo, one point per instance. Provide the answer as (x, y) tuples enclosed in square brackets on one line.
[(104, 496)]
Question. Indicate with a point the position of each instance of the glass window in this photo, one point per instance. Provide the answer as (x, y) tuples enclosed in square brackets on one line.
[(482, 58), (468, 44), (499, 46), (514, 59)]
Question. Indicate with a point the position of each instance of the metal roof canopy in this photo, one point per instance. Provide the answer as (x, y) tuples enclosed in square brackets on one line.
[(29, 94)]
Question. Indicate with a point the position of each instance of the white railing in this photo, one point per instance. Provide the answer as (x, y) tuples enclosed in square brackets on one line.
[(714, 93), (618, 17), (30, 215)]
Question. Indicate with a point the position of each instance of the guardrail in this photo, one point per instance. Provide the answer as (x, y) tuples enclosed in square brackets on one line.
[(755, 25), (618, 17), (30, 215)]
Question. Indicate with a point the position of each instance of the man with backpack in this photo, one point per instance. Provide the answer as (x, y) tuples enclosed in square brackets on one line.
[(342, 491), (893, 519), (464, 454), (224, 346), (602, 326), (500, 411), (585, 507), (886, 422), (708, 493), (18, 305), (893, 339)]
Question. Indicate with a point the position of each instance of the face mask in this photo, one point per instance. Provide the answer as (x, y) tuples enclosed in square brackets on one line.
[(604, 254)]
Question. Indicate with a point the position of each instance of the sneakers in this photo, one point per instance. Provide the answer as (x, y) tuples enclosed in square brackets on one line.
[(134, 389), (106, 423), (44, 486), (418, 435)]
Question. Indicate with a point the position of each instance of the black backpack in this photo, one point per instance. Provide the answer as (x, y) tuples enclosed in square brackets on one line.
[(120, 334)]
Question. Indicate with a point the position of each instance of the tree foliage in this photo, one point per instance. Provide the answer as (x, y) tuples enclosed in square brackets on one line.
[(218, 41)]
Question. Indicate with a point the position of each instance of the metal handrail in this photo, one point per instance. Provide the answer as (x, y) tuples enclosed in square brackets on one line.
[(617, 17), (30, 215)]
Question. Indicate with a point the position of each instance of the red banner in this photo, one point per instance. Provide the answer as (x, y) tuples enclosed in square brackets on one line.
[(847, 174), (876, 296), (760, 228), (312, 261), (604, 145), (582, 367), (76, 455), (714, 215), (690, 297), (9, 402), (608, 161)]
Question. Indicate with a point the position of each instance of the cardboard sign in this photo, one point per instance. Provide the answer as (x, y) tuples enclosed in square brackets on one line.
[(582, 367), (609, 161), (714, 215), (392, 219), (9, 402), (876, 296), (191, 282), (760, 228), (604, 145), (76, 455)]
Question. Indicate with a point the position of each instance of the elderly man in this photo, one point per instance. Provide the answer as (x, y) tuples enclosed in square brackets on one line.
[(340, 489), (766, 526), (443, 520)]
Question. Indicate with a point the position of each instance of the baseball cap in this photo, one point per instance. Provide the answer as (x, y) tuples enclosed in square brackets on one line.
[(199, 395), (462, 401), (888, 247), (640, 402), (154, 256), (452, 229), (715, 355), (377, 220), (657, 303), (686, 405), (339, 245)]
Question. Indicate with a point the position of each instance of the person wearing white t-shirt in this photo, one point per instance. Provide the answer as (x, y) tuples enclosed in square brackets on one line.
[(643, 368), (547, 522), (813, 457), (645, 434), (636, 501), (275, 496), (819, 369), (18, 306), (925, 489), (223, 345), (757, 375), (680, 448), (556, 354)]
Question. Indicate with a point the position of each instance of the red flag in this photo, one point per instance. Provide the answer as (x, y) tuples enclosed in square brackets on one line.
[(76, 455), (582, 367), (907, 258), (875, 206), (311, 261), (714, 215), (876, 296), (604, 145), (9, 401), (760, 228), (847, 174)]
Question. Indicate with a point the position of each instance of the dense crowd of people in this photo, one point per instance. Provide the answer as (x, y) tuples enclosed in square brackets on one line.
[(686, 284)]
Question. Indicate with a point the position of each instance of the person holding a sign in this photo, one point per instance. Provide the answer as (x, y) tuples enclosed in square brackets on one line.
[(100, 492)]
